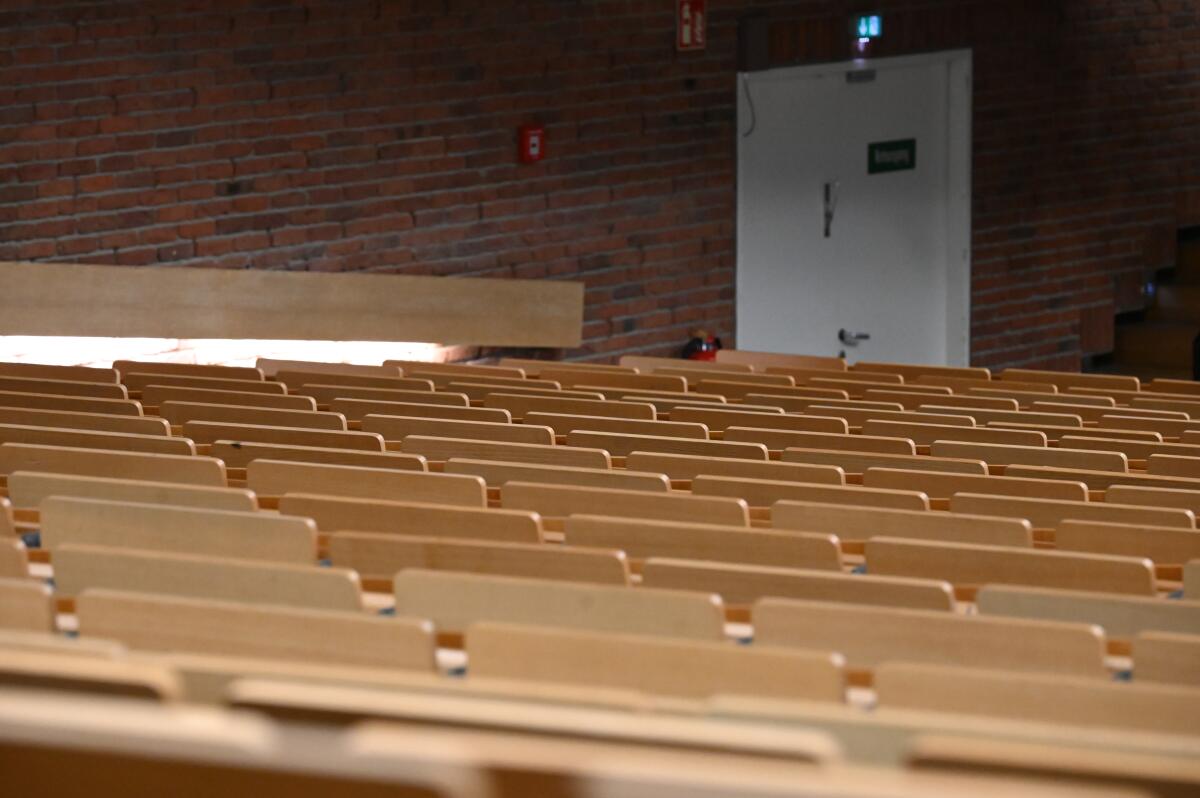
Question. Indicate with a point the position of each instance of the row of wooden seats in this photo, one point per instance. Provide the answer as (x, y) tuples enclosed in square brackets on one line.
[(564, 502)]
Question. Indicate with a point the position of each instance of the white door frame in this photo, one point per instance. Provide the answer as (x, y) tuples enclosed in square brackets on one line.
[(958, 171)]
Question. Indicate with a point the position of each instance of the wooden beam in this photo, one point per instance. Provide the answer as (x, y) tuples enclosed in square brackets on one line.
[(85, 300)]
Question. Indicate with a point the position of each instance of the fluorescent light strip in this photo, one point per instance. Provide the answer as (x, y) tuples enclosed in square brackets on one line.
[(101, 352)]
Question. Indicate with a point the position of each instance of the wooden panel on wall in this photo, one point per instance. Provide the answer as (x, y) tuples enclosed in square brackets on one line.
[(84, 300)]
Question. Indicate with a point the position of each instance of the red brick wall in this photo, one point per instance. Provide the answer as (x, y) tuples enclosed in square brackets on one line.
[(380, 135)]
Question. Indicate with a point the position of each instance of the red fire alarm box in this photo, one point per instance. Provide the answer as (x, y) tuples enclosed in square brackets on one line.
[(691, 25), (532, 147)]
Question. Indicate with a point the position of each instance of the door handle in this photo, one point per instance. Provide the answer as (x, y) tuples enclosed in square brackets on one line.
[(852, 338)]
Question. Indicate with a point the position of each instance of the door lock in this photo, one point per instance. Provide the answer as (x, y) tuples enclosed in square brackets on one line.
[(852, 338)]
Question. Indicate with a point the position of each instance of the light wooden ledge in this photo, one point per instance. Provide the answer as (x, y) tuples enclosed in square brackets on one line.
[(108, 301)]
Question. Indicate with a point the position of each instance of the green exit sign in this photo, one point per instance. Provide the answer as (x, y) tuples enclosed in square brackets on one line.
[(868, 26), (891, 156)]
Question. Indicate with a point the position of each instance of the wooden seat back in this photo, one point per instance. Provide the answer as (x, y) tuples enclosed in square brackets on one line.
[(926, 434), (685, 668), (156, 395), (851, 522), (101, 422), (1122, 617), (724, 419), (332, 514), (943, 486), (326, 394), (137, 382), (397, 428), (78, 568), (443, 449), (777, 440), (50, 372), (641, 539), (741, 584), (382, 556), (30, 670), (563, 424), (28, 489), (167, 623), (1050, 514), (683, 466), (967, 565), (97, 390), (455, 601), (1154, 497), (622, 445), (179, 413), (25, 605), (14, 561), (240, 454), (193, 369), (518, 406), (111, 463), (1101, 480), (93, 439), (860, 462), (70, 404), (1005, 454), (1167, 658), (765, 493), (564, 500), (277, 477), (212, 431), (497, 472), (358, 409), (263, 537), (1039, 697), (869, 637)]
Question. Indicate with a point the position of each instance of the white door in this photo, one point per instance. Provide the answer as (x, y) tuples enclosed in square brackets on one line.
[(884, 147)]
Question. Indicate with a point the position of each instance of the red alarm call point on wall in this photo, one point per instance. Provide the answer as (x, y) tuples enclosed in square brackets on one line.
[(532, 143)]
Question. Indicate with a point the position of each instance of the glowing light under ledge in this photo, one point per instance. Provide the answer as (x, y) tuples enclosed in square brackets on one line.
[(101, 352)]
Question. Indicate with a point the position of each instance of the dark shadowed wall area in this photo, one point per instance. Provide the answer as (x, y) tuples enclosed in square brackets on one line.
[(377, 135)]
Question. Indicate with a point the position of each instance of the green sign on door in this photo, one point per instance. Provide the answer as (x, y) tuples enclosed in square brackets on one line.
[(891, 156)]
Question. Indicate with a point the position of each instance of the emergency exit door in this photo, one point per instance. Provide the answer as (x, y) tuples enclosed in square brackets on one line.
[(854, 209)]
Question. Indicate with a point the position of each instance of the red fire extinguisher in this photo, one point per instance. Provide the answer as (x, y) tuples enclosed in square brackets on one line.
[(702, 346)]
